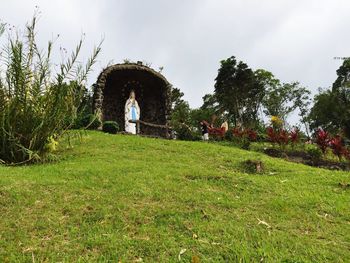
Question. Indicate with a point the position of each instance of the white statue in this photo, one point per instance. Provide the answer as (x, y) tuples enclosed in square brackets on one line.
[(132, 112)]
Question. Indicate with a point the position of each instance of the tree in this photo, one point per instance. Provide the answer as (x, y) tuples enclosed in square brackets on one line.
[(235, 89), (207, 111), (331, 109), (265, 81), (181, 111), (283, 99)]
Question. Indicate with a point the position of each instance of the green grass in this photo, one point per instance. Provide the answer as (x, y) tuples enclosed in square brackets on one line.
[(117, 197)]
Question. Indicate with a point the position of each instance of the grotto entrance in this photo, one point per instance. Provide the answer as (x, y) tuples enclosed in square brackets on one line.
[(152, 90)]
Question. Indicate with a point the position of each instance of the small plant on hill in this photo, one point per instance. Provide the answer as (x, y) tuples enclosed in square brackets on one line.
[(111, 127), (322, 140), (278, 136), (91, 122), (37, 106), (294, 137), (337, 146), (314, 152), (243, 137)]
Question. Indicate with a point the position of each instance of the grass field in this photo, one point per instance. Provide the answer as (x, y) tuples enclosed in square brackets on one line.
[(130, 199)]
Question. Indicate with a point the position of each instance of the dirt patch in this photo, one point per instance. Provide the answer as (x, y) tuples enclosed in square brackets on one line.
[(305, 158)]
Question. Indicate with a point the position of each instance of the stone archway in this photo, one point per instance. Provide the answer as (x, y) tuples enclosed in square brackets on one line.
[(152, 90)]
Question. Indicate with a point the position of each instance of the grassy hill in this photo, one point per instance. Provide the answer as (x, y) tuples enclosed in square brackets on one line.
[(130, 199)]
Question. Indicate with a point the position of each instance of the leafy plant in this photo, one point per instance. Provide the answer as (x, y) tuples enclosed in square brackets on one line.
[(314, 152), (37, 106), (91, 122), (337, 146), (111, 127), (243, 137), (294, 136), (280, 137), (322, 140)]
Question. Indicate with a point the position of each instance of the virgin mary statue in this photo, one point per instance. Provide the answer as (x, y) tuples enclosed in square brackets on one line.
[(132, 112)]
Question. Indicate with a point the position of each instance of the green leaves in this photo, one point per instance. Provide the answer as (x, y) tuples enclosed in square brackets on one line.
[(35, 105)]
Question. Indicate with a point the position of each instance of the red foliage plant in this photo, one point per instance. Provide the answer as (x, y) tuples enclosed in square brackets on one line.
[(271, 134), (294, 136), (245, 133), (281, 136), (338, 147), (322, 140), (252, 135)]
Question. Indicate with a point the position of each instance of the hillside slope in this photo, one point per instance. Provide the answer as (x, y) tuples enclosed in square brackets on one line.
[(129, 198)]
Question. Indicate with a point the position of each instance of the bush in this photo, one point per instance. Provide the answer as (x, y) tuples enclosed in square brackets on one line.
[(322, 140), (111, 127), (90, 121), (314, 152), (229, 136), (35, 105), (337, 146), (185, 134)]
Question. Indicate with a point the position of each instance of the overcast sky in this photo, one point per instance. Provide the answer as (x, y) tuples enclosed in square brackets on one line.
[(296, 40)]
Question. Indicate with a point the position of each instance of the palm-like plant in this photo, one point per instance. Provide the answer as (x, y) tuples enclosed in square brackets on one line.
[(36, 105)]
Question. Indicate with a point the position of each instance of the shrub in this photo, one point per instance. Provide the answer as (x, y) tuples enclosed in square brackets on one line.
[(294, 136), (90, 121), (111, 127), (184, 133), (337, 146), (314, 152), (240, 133), (228, 136), (243, 137), (322, 140), (281, 137), (271, 135), (36, 107)]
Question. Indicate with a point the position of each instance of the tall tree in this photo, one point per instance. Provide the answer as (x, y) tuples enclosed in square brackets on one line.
[(331, 108), (180, 109), (283, 99), (234, 88)]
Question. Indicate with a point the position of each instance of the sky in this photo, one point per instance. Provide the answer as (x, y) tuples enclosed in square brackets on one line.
[(296, 40)]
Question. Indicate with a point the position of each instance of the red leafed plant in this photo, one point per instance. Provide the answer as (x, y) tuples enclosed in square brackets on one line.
[(245, 133), (338, 147), (283, 137), (278, 136), (294, 136), (272, 135), (238, 132), (322, 140)]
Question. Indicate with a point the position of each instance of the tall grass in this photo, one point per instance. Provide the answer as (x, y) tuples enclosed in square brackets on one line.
[(37, 104)]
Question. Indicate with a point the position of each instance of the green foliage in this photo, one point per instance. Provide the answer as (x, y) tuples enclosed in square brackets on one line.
[(314, 152), (181, 118), (181, 112), (36, 105), (283, 99), (111, 127), (91, 122), (185, 133), (229, 136), (331, 109), (236, 91)]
